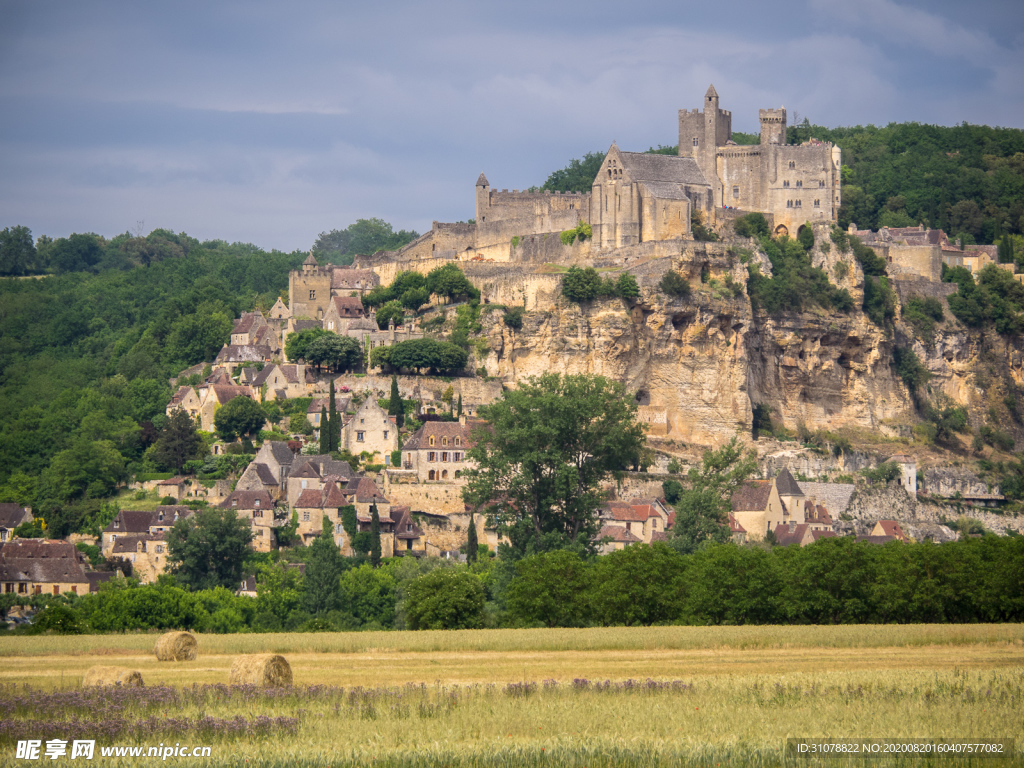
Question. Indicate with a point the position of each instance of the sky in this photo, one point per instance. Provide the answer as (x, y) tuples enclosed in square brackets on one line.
[(271, 122)]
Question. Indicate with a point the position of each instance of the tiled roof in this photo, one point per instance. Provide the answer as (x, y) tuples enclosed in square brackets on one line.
[(752, 496), (366, 491), (786, 484), (282, 453), (836, 496), (784, 536), (341, 404), (734, 525), (219, 376), (177, 480), (130, 521), (438, 430), (289, 372), (248, 500), (892, 528), (403, 518), (226, 394), (266, 474), (363, 324), (41, 561), (179, 396), (244, 353), (13, 515), (131, 543), (643, 166), (348, 306), (618, 534), (96, 578), (245, 323), (824, 535), (665, 190)]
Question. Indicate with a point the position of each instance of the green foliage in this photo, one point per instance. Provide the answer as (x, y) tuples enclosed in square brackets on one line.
[(550, 589), (513, 317), (392, 311), (1005, 252), (349, 521), (840, 238), (870, 262), (446, 598), (702, 505), (626, 287), (396, 407), (795, 283), (578, 176), (922, 313), (335, 353), (910, 369), (416, 355), (581, 284), (879, 301), (18, 253), (299, 424), (883, 473), (366, 236), (700, 232), (297, 344), (548, 446), (806, 237), (996, 299), (239, 417), (580, 232), (449, 283), (674, 284), (751, 225), (178, 442), (375, 550), (321, 590), (209, 549), (997, 438)]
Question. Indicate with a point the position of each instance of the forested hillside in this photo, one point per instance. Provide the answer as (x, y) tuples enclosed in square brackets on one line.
[(967, 180), (85, 356)]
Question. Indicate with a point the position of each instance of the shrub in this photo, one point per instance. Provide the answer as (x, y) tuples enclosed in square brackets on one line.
[(581, 285), (514, 317), (446, 598), (922, 314), (581, 232), (795, 283), (700, 232), (879, 301), (806, 237), (626, 287), (674, 284), (751, 225)]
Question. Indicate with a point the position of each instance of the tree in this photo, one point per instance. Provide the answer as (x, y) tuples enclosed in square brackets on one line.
[(551, 588), (578, 176), (446, 598), (702, 508), (545, 450), (450, 283), (334, 352), (366, 236), (751, 225), (674, 284), (323, 571), (460, 405), (442, 357), (581, 285), (391, 311), (626, 286), (396, 407), (209, 549), (198, 337), (17, 251), (472, 545), (374, 536), (297, 344), (325, 430), (332, 418), (239, 417), (178, 442)]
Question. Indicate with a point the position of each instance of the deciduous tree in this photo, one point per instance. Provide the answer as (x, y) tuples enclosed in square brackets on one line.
[(209, 549)]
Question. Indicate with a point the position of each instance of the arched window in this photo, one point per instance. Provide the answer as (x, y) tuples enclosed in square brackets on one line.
[(444, 474), (432, 475)]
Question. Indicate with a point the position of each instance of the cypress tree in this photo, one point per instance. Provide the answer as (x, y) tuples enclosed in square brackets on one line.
[(325, 431), (374, 536), (471, 543), (460, 404), (395, 406), (332, 418)]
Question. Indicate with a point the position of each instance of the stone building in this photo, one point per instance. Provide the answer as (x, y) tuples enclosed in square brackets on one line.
[(371, 429), (284, 382), (186, 399), (245, 329), (310, 290), (341, 311), (643, 518), (258, 508), (42, 566), (437, 451), (11, 516), (147, 552)]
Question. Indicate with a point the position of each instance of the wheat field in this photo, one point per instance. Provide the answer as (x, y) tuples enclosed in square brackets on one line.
[(633, 697)]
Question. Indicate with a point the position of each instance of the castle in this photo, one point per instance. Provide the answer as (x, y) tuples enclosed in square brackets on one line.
[(640, 197)]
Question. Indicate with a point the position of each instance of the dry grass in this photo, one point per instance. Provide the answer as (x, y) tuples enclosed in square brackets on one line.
[(743, 691)]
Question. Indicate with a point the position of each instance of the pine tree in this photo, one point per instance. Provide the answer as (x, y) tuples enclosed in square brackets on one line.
[(374, 536), (395, 405), (323, 567), (332, 427), (471, 543), (325, 431)]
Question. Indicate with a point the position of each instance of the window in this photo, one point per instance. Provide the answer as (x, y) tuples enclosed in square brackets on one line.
[(408, 527), (431, 456), (431, 475), (359, 436), (696, 141), (234, 502), (22, 588), (362, 421), (8, 588), (431, 440), (257, 513), (821, 182), (304, 484), (444, 456), (159, 547), (305, 516), (385, 434), (444, 441), (789, 203), (117, 524), (256, 502), (798, 203), (312, 295), (785, 183), (458, 441), (444, 474), (74, 589), (408, 544), (456, 456), (735, 191), (817, 203), (56, 589), (799, 183), (792, 164)]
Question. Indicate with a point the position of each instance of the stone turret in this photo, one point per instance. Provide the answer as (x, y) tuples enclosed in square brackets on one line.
[(483, 198)]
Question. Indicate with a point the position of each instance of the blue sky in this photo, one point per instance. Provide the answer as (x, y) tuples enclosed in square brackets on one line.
[(271, 122)]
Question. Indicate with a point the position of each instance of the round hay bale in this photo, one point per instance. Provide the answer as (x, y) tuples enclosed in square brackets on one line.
[(177, 646), (262, 669), (112, 676)]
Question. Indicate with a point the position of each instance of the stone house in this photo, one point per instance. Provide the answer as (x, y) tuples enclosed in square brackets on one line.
[(259, 477), (315, 503), (146, 552), (42, 566), (834, 497), (310, 290), (187, 400), (737, 531), (341, 311), (757, 507), (889, 528), (409, 536), (310, 472), (11, 516), (437, 451), (258, 509), (244, 331), (279, 312), (614, 538), (175, 487), (233, 355), (793, 533), (283, 382), (641, 517), (320, 405), (372, 430), (136, 523)]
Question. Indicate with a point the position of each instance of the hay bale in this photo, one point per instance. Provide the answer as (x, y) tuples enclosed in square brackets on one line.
[(177, 646), (112, 676), (262, 669)]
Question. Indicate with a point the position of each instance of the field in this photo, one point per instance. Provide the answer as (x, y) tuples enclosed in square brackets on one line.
[(645, 697)]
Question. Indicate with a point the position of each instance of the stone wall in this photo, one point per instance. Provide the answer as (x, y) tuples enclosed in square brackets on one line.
[(919, 519), (434, 498), (474, 391)]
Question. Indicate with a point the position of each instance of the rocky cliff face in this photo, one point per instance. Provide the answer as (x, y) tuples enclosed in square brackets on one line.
[(702, 362)]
